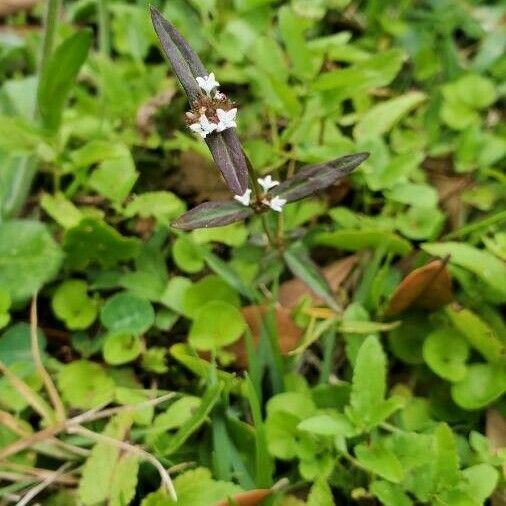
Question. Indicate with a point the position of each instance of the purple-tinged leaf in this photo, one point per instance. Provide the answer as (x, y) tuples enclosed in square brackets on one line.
[(299, 262), (212, 214), (313, 178), (185, 62), (229, 157)]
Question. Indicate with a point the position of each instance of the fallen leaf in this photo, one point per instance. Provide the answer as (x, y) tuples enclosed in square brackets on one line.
[(495, 429), (250, 498), (288, 333), (145, 119), (290, 292), (428, 287), (12, 6)]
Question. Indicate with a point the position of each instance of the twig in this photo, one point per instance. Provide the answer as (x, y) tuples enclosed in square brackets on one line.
[(42, 485), (46, 378), (135, 450)]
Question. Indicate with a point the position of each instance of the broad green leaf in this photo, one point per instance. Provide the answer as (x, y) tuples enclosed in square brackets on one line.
[(85, 385), (478, 333), (390, 494), (16, 346), (445, 352), (300, 263), (357, 240), (320, 494), (121, 348), (98, 479), (174, 293), (125, 312), (71, 304), (234, 234), (381, 118), (61, 210), (216, 324), (482, 263), (380, 461), (207, 289), (124, 480), (446, 459), (19, 136), (161, 205), (420, 223), (187, 255), (5, 304), (59, 75), (29, 258), (93, 240), (208, 491), (419, 195), (482, 385), (481, 481), (327, 425)]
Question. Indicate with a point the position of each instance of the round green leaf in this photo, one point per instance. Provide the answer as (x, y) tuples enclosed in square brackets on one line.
[(209, 288), (175, 292), (406, 340), (420, 222), (446, 353), (85, 385), (72, 305), (125, 312), (29, 258), (482, 385), (216, 324), (187, 255), (16, 345), (121, 348)]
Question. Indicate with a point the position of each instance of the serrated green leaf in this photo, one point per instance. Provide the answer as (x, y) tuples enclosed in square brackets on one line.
[(446, 459), (380, 461)]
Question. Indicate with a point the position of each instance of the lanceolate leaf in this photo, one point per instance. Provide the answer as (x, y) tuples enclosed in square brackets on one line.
[(212, 214), (59, 76), (225, 146), (300, 263), (313, 178)]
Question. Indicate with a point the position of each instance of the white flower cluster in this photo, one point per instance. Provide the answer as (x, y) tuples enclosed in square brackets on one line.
[(267, 183), (226, 119)]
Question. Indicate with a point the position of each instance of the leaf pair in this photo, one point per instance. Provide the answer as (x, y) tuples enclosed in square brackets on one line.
[(224, 146), (308, 180)]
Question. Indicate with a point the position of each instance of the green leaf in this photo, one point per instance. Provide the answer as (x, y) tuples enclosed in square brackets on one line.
[(59, 75), (420, 222), (357, 240), (208, 491), (216, 324), (72, 305), (121, 348), (482, 385), (16, 346), (18, 136), (419, 195), (478, 333), (481, 481), (187, 255), (61, 210), (95, 241), (29, 258), (161, 205), (125, 312), (320, 494), (381, 118), (174, 293), (327, 425), (446, 353), (380, 461), (299, 262), (100, 481), (85, 385), (446, 459), (390, 494), (5, 304), (480, 262)]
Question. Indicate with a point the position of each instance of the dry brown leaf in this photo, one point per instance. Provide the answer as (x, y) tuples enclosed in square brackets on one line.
[(12, 6), (428, 287), (290, 292), (289, 334), (145, 119), (250, 498), (495, 430)]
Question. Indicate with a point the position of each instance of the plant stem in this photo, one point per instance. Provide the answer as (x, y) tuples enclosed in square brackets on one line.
[(50, 24), (103, 28)]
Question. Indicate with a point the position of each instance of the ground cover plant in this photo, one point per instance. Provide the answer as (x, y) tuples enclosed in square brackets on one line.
[(252, 252)]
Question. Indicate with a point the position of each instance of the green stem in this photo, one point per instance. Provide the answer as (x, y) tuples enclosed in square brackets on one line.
[(50, 24), (103, 28)]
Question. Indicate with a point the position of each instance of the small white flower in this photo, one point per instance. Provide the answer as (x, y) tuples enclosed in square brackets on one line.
[(267, 183), (276, 204), (204, 127), (227, 119), (245, 198), (208, 83)]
